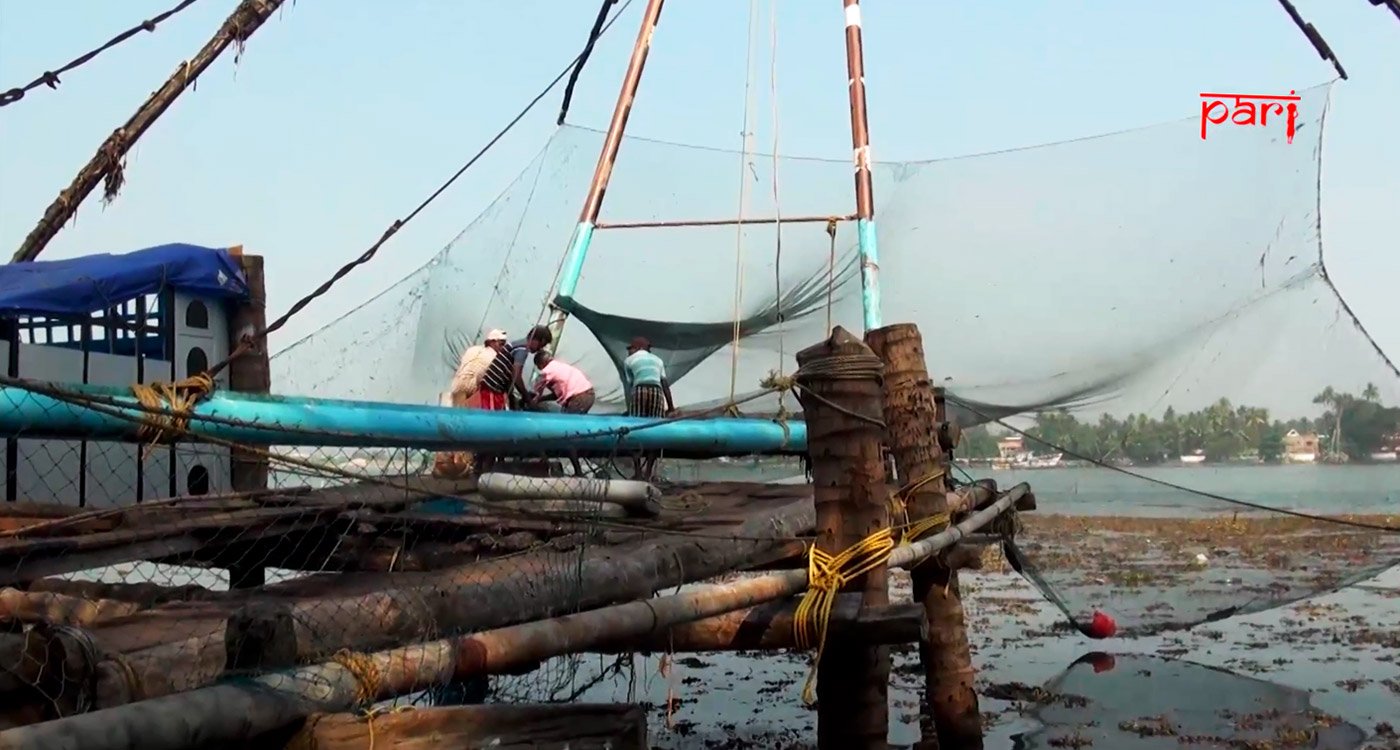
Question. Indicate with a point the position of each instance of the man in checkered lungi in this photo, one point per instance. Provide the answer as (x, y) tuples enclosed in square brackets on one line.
[(648, 392)]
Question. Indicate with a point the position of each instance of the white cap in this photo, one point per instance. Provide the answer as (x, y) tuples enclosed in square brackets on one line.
[(496, 334)]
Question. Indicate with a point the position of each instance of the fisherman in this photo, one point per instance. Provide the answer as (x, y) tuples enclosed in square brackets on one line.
[(572, 389), (466, 392), (504, 382), (648, 393)]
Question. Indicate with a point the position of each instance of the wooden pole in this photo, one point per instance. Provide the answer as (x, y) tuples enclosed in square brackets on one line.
[(236, 712), (840, 395), (578, 725), (250, 372), (952, 719), (107, 164), (492, 593), (769, 627)]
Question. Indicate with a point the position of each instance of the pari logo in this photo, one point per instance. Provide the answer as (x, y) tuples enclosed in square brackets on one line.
[(1250, 109)]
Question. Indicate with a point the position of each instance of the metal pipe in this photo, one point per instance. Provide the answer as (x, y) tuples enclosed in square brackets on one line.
[(865, 190), (261, 419), (602, 173), (720, 222)]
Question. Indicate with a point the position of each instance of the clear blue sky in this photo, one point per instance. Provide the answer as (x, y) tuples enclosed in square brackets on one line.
[(341, 114)]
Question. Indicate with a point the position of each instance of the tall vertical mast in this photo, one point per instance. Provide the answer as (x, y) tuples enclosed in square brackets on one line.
[(588, 217), (865, 190)]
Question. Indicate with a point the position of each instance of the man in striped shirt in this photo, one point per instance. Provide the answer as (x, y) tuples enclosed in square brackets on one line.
[(504, 381)]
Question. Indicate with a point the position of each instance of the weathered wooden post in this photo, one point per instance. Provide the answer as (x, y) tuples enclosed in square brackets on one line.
[(839, 383), (913, 429), (250, 372)]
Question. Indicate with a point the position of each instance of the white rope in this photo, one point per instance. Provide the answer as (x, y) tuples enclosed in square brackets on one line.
[(745, 162), (777, 203)]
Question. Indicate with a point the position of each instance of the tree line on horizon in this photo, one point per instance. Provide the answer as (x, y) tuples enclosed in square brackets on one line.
[(1351, 427)]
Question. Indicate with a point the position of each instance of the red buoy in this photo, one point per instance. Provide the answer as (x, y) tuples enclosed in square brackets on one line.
[(1102, 626)]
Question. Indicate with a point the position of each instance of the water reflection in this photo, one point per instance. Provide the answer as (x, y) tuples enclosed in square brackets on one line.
[(1134, 702)]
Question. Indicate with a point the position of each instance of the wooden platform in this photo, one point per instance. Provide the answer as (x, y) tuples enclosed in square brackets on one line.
[(390, 573)]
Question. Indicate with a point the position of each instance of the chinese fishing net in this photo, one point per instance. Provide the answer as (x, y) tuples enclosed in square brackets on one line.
[(1140, 325)]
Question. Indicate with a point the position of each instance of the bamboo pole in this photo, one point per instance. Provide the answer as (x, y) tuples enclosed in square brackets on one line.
[(107, 164), (911, 417), (769, 627), (238, 712), (842, 404)]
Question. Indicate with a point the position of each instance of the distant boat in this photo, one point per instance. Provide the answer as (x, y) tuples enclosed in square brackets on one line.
[(1199, 457), (1384, 456)]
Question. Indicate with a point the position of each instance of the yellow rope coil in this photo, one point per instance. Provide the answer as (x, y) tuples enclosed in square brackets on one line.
[(912, 531), (827, 574), (367, 677), (176, 399)]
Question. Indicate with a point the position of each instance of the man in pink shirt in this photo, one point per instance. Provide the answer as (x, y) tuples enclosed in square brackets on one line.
[(571, 388)]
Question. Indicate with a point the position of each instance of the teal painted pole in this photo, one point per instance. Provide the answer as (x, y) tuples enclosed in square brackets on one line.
[(260, 419), (865, 186), (573, 263), (869, 274), (602, 173)]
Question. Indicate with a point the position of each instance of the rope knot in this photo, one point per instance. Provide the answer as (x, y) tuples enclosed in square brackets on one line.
[(168, 406), (776, 381)]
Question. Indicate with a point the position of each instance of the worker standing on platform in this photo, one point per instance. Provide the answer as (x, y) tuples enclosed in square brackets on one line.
[(648, 394), (504, 382)]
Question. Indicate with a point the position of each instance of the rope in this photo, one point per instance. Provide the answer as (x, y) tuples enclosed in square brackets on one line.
[(370, 715), (745, 160), (176, 400), (50, 77), (899, 508), (777, 202), (830, 269), (368, 679), (827, 574)]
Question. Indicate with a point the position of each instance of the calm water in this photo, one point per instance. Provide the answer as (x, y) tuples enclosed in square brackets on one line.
[(1097, 491)]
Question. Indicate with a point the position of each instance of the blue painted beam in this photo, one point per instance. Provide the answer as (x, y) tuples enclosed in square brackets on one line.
[(259, 419)]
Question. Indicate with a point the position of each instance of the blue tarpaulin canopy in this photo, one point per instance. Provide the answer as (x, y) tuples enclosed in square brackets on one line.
[(81, 286)]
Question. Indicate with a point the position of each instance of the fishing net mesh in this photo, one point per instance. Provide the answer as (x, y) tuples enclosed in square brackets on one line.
[(1147, 312)]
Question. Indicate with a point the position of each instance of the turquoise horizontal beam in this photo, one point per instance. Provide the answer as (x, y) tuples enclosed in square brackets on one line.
[(257, 419)]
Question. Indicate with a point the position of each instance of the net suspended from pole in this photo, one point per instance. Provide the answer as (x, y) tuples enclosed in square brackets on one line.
[(1148, 307)]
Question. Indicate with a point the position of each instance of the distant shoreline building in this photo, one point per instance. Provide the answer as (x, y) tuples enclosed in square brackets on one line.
[(1300, 447)]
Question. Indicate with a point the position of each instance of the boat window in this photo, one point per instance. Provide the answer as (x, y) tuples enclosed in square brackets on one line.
[(196, 361), (196, 315), (197, 481)]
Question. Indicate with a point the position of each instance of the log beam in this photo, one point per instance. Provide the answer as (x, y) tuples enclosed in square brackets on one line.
[(579, 725), (769, 627), (842, 403), (911, 414), (107, 164), (493, 593)]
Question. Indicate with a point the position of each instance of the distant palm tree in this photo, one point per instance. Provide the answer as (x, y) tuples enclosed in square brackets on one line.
[(1336, 401), (1370, 393)]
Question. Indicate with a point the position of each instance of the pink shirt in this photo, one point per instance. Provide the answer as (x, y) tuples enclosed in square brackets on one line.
[(564, 379)]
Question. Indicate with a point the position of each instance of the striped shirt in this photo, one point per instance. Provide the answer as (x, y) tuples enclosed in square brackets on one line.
[(499, 375), (643, 368)]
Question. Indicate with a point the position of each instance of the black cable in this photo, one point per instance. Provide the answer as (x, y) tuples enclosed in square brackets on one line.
[(593, 35), (393, 229), (50, 77), (1315, 37)]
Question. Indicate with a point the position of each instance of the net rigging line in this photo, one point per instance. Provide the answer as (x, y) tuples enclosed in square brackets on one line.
[(593, 35), (50, 77), (1173, 485), (249, 340)]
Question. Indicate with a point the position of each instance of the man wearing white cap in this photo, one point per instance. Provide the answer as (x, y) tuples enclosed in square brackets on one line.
[(497, 373)]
